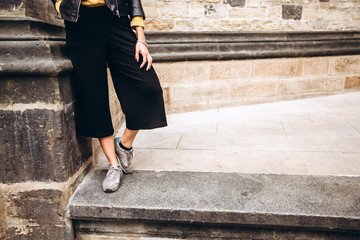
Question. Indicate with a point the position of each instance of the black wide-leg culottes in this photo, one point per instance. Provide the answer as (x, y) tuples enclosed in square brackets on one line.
[(100, 39)]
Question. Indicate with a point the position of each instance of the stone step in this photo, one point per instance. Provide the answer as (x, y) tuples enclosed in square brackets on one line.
[(202, 205)]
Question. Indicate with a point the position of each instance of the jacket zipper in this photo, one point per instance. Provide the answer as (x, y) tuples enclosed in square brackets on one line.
[(78, 10), (117, 8)]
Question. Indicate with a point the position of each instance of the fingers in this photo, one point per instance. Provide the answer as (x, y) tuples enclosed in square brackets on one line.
[(137, 50), (149, 59), (144, 57)]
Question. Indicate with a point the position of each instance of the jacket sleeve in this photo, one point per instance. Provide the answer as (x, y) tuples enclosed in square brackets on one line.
[(135, 8)]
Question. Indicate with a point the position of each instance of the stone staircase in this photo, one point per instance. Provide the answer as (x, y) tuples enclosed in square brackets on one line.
[(202, 205)]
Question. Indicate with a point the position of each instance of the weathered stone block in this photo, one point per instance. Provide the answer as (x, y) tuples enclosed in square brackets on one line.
[(42, 9), (253, 3), (345, 64), (274, 12), (114, 106), (166, 95), (231, 70), (40, 145), (29, 90), (236, 3), (10, 4), (36, 214), (233, 24), (215, 10), (254, 89), (151, 9), (287, 67), (197, 92), (174, 9), (247, 13), (316, 65), (291, 12), (205, 24), (197, 10), (181, 72), (159, 24), (352, 82), (184, 25), (310, 85), (314, 14)]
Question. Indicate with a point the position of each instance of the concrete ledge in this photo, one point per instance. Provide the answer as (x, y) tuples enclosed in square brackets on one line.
[(325, 203)]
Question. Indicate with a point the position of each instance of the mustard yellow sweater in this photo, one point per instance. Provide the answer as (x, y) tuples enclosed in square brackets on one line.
[(135, 21)]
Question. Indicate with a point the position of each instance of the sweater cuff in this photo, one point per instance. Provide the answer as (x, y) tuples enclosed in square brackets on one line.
[(57, 5), (137, 21)]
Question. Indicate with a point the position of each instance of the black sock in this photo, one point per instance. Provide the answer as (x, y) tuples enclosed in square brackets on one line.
[(123, 147)]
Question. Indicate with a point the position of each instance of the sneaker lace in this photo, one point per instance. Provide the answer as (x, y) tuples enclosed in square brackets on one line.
[(111, 174)]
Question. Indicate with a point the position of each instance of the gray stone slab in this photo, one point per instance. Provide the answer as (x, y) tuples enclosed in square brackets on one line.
[(147, 139), (286, 201)]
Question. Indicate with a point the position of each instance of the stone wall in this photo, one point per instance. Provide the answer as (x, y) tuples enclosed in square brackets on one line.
[(42, 160), (252, 15), (212, 84)]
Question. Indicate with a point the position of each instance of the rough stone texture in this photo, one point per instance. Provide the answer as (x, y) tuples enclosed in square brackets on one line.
[(181, 94), (291, 67), (37, 100), (316, 66), (247, 13), (254, 89), (12, 7), (40, 145), (24, 90), (178, 46), (310, 85), (213, 84), (41, 158), (325, 203), (236, 3), (10, 4), (352, 82), (345, 64), (232, 70), (42, 212), (291, 12), (252, 15), (40, 9)]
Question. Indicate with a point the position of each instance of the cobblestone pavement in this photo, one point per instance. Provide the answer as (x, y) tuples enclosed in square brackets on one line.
[(318, 135)]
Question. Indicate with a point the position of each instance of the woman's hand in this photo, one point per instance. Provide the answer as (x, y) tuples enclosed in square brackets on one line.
[(142, 49)]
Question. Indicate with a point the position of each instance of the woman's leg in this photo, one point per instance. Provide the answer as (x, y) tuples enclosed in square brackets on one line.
[(124, 150), (107, 145), (128, 137)]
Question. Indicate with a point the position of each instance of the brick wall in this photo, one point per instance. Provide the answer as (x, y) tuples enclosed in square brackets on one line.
[(252, 15)]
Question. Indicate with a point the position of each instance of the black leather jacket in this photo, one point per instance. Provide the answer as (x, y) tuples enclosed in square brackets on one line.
[(69, 9)]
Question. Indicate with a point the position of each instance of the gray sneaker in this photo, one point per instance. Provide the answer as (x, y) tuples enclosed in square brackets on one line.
[(112, 179), (124, 157)]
